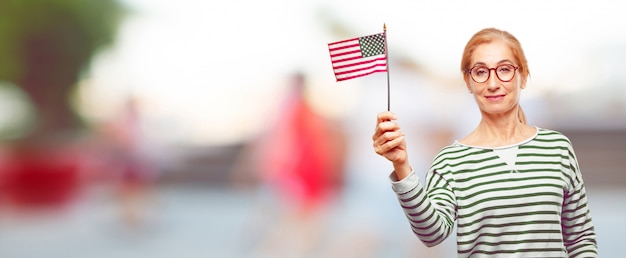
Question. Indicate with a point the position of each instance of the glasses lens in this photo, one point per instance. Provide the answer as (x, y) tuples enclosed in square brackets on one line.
[(505, 72), (480, 74)]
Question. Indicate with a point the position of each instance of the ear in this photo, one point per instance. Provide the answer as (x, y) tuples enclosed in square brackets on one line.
[(470, 87), (522, 82)]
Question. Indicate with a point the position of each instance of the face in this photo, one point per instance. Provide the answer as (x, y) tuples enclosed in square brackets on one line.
[(495, 96)]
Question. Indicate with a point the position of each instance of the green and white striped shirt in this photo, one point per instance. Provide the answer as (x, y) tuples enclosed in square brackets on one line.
[(533, 207)]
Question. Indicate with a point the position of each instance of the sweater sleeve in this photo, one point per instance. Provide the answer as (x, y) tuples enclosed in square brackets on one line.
[(578, 231), (430, 211)]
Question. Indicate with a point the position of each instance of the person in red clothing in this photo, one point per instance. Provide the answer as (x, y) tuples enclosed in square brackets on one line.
[(298, 162), (298, 158)]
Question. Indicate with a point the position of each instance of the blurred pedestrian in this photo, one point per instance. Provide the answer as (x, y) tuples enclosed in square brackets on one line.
[(512, 188), (300, 156), (299, 161), (136, 172)]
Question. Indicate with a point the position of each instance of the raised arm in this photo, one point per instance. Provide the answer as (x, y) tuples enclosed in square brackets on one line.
[(430, 210)]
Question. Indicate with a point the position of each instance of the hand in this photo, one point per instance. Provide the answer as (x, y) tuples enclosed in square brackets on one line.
[(389, 142)]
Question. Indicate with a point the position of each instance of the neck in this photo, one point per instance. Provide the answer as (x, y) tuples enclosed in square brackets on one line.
[(500, 129), (500, 133)]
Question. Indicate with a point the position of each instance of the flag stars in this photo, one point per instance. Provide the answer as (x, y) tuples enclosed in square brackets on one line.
[(372, 45)]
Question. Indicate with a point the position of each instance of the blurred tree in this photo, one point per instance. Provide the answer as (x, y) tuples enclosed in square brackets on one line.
[(45, 46)]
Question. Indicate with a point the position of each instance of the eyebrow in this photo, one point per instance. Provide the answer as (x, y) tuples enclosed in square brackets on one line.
[(500, 62)]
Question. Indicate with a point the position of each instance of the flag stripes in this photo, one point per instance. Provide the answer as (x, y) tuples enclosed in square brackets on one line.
[(356, 57)]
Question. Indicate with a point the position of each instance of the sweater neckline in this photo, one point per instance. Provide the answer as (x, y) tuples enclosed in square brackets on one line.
[(456, 142)]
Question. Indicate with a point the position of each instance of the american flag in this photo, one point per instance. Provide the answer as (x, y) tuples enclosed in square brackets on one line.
[(356, 57)]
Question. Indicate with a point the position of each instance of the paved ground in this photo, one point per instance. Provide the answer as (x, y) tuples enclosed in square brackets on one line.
[(210, 222)]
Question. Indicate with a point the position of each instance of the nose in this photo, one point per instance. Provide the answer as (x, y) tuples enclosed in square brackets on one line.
[(493, 81)]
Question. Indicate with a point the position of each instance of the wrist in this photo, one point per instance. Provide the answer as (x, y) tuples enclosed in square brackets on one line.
[(402, 170)]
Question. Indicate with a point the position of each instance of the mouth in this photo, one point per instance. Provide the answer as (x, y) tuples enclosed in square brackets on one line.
[(495, 97)]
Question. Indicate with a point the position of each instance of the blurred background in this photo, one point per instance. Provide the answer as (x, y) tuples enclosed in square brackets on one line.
[(152, 128)]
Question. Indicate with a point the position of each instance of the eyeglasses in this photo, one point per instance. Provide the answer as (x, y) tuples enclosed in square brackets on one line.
[(504, 72)]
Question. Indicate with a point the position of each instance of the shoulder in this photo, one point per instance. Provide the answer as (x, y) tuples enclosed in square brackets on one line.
[(451, 150), (548, 140), (456, 153), (552, 136)]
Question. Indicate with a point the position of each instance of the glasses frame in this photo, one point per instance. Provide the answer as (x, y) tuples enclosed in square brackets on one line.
[(469, 71)]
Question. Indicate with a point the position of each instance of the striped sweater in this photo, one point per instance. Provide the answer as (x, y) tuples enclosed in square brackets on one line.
[(534, 208)]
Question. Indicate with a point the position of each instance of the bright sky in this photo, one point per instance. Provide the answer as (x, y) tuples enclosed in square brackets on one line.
[(210, 71)]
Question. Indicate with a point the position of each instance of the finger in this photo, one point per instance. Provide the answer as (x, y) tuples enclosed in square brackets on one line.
[(387, 136), (385, 116), (383, 148), (384, 127), (389, 126)]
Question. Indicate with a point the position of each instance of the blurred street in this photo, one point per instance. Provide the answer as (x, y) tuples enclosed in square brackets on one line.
[(196, 217), (216, 222)]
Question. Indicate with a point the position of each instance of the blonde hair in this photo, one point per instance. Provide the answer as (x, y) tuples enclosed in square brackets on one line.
[(488, 35)]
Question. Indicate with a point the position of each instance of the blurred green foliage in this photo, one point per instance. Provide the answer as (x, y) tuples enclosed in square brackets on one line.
[(79, 26), (45, 46)]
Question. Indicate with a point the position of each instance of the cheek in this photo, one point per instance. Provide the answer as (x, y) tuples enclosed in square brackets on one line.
[(515, 86)]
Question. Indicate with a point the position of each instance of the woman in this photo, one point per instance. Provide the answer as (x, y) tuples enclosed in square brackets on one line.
[(513, 189)]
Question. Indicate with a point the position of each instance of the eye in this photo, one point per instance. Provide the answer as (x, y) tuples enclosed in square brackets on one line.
[(480, 71), (504, 69)]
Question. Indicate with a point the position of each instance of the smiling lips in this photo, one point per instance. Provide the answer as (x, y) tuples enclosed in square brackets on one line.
[(495, 97)]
